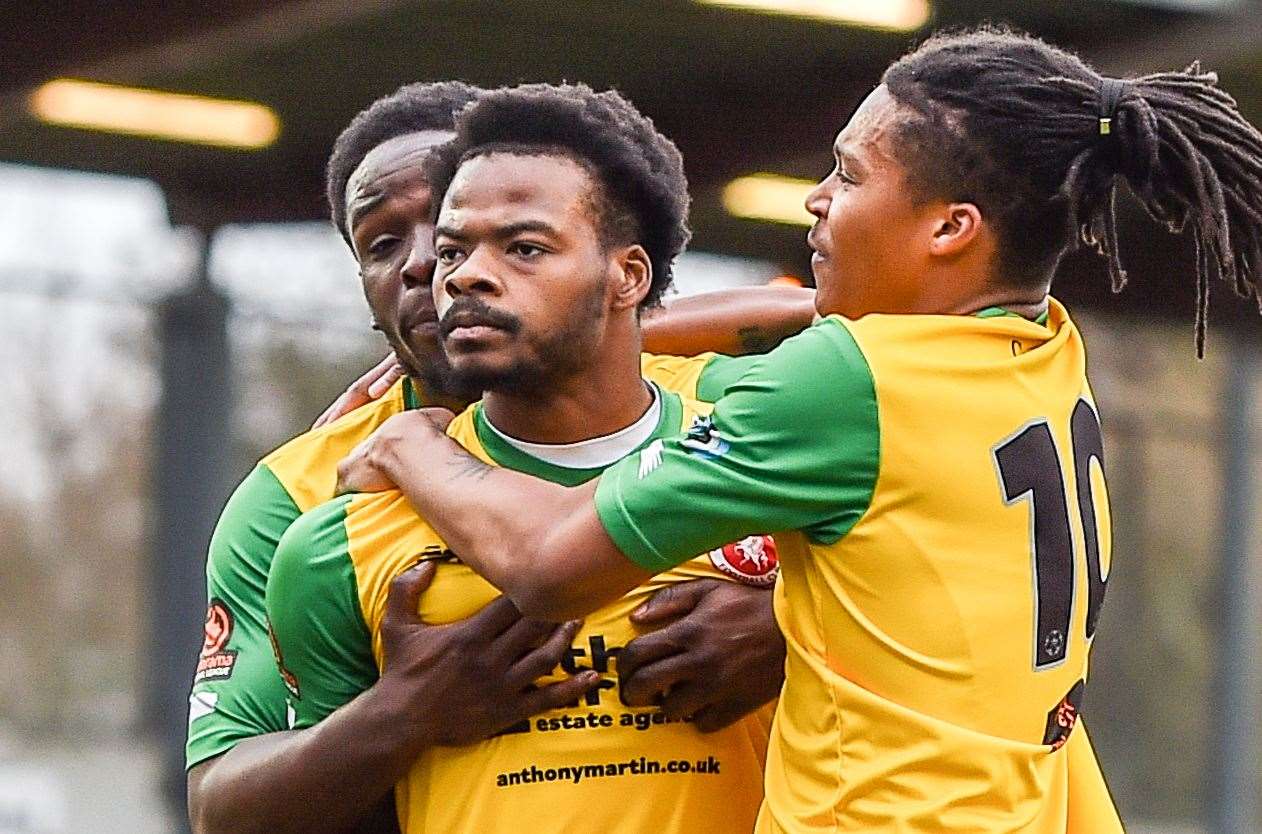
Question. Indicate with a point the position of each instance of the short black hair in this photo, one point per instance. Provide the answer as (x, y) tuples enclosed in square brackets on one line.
[(639, 172), (411, 108), (1018, 126)]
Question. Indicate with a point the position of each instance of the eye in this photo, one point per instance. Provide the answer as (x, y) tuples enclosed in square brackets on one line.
[(525, 249), (448, 255), (382, 246), (844, 177)]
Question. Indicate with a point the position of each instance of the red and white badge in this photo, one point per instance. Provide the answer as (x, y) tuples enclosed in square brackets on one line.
[(752, 560), (216, 661)]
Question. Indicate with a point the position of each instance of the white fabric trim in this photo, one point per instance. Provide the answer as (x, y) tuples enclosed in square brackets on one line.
[(594, 452)]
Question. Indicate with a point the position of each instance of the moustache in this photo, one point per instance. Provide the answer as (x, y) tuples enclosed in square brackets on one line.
[(473, 313)]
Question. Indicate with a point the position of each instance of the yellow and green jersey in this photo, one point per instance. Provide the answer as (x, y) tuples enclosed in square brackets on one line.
[(934, 484), (237, 693), (594, 766)]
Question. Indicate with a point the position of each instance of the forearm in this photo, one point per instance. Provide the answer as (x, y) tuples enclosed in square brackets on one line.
[(735, 321), (532, 557), (322, 779)]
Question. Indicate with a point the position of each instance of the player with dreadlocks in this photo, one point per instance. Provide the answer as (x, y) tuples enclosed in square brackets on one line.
[(930, 449), (1040, 141)]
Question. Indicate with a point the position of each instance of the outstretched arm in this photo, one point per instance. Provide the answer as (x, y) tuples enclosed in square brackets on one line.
[(734, 321), (464, 500), (793, 445)]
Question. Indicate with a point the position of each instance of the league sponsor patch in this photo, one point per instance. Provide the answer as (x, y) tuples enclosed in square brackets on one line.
[(1063, 717), (216, 661), (704, 440), (752, 560)]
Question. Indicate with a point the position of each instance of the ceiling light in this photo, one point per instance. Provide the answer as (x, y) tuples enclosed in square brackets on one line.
[(898, 15), (155, 114), (769, 197)]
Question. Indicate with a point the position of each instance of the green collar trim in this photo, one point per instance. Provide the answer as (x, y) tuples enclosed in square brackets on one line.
[(411, 399), (1001, 312), (669, 424)]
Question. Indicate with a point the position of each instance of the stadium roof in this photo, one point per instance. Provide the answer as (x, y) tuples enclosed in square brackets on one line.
[(739, 91)]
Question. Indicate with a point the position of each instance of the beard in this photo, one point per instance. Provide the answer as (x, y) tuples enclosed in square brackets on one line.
[(441, 380), (555, 355)]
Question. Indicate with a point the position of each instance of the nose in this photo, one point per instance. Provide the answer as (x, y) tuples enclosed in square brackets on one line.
[(418, 269), (820, 198), (472, 276)]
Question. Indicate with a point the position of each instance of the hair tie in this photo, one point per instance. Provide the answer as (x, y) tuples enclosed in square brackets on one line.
[(1111, 92)]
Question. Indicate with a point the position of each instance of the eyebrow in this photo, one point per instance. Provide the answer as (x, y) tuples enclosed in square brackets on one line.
[(507, 230), (361, 206)]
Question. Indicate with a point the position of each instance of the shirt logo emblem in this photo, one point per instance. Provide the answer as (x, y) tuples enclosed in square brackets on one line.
[(751, 561)]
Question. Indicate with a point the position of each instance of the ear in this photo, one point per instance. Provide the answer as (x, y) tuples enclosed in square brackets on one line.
[(632, 276), (955, 229)]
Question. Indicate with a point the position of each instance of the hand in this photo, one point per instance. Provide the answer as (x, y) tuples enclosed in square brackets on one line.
[(720, 656), (471, 679), (363, 471), (371, 386)]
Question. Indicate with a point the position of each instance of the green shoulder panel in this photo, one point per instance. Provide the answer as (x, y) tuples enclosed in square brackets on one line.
[(237, 693), (323, 646), (719, 374), (793, 444)]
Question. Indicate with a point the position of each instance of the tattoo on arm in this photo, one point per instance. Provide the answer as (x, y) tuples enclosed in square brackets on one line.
[(755, 339), (464, 465)]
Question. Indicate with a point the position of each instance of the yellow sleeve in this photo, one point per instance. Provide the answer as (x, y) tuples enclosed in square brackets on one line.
[(679, 374), (307, 465), (1091, 808)]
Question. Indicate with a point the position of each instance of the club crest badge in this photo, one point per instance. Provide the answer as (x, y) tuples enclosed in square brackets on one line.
[(752, 560)]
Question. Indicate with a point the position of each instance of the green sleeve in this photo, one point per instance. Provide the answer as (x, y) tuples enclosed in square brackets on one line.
[(794, 444), (719, 374), (236, 691), (323, 647)]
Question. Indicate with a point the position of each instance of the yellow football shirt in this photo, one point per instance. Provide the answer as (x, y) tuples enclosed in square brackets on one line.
[(595, 766), (947, 544)]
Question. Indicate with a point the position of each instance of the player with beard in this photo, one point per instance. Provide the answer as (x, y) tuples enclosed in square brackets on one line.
[(931, 447), (247, 771), (572, 208)]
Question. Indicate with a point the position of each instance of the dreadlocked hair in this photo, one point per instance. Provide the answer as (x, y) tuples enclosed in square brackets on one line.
[(642, 191), (1017, 126)]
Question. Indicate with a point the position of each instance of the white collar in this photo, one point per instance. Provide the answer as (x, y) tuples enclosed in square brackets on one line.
[(595, 452)]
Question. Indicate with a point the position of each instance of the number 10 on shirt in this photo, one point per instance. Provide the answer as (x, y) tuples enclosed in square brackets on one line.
[(1031, 469)]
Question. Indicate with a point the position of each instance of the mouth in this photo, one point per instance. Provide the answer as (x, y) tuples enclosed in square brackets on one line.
[(470, 326), (812, 240)]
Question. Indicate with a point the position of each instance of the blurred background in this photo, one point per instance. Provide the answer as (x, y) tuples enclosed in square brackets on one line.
[(174, 303)]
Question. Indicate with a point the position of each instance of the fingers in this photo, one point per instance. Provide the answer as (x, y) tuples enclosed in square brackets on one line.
[(684, 700), (369, 387), (393, 373), (672, 602), (495, 618), (641, 653), (647, 685), (520, 638), (404, 597), (339, 407), (558, 694), (545, 658)]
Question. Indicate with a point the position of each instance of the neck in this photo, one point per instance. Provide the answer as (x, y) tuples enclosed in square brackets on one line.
[(972, 286), (431, 395), (605, 396)]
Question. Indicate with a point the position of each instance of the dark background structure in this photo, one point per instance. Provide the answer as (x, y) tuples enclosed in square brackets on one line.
[(739, 92)]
